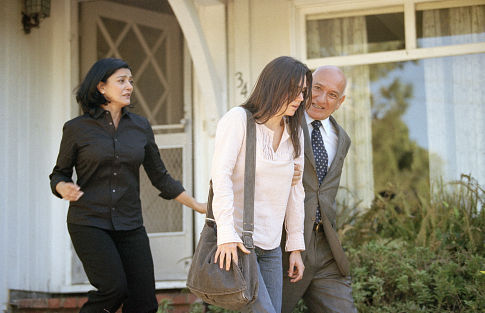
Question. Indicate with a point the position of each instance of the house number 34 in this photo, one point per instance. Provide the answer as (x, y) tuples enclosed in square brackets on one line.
[(241, 84)]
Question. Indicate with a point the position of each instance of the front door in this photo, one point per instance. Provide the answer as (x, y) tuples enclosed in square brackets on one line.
[(151, 42)]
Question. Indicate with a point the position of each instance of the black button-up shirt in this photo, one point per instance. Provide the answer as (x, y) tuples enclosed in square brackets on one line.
[(107, 163)]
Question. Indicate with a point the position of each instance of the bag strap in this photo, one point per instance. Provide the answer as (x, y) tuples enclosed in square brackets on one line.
[(249, 183)]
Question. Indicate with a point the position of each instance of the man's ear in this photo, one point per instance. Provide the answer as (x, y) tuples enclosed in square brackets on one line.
[(342, 99)]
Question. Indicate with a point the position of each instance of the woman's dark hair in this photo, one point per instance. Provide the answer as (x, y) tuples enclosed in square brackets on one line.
[(280, 82), (88, 95)]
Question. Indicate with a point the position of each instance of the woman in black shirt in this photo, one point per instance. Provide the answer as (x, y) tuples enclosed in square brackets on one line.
[(106, 146)]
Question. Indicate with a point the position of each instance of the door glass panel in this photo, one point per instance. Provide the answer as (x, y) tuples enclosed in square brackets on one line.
[(158, 95), (167, 58), (161, 55), (153, 90), (450, 26), (160, 215), (150, 35), (129, 50), (102, 45), (354, 35), (114, 27)]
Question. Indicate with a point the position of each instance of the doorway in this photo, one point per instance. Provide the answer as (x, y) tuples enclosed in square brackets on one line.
[(147, 36)]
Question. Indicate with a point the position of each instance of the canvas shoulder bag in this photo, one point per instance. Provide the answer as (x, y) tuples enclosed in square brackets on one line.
[(238, 287)]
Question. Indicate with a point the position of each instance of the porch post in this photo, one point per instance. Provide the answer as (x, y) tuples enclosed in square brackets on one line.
[(209, 83)]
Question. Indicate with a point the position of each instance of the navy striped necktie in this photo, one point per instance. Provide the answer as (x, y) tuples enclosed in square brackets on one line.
[(321, 158)]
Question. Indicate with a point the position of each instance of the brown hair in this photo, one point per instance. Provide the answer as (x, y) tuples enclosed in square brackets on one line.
[(279, 83)]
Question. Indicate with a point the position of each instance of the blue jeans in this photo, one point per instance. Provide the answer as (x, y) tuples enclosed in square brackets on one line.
[(270, 274)]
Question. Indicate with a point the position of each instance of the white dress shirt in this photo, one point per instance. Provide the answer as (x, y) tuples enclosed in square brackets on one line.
[(329, 135), (275, 200)]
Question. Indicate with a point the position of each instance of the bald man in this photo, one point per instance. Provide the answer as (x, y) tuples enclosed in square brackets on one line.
[(326, 285)]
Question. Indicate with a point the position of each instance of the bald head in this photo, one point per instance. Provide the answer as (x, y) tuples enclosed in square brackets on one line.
[(334, 71), (328, 88)]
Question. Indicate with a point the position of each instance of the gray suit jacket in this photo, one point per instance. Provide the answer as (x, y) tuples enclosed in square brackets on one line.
[(325, 193)]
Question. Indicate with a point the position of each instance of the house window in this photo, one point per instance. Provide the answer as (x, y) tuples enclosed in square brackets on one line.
[(450, 26), (354, 35), (415, 116), (427, 119)]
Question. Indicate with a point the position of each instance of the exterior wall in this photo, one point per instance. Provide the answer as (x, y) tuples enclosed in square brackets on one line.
[(35, 101), (269, 33), (38, 73), (255, 33), (258, 31), (212, 15)]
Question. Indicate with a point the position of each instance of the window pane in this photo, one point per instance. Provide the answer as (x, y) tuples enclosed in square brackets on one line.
[(354, 35), (399, 128), (450, 26), (414, 122)]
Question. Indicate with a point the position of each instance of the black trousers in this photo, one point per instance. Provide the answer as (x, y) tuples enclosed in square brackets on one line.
[(120, 265)]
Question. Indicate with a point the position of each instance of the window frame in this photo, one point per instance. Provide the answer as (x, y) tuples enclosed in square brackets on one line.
[(301, 9)]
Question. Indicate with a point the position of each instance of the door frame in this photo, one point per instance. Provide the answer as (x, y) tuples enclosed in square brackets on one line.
[(188, 176)]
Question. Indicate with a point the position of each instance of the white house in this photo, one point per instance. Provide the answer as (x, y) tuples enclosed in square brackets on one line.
[(421, 60)]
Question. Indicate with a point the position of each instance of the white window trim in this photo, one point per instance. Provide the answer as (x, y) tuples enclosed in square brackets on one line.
[(300, 9)]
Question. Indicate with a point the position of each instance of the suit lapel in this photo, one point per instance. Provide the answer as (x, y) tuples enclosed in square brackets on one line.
[(340, 147), (308, 146)]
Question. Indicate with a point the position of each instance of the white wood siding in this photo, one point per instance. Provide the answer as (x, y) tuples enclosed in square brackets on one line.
[(212, 16), (35, 100), (259, 31)]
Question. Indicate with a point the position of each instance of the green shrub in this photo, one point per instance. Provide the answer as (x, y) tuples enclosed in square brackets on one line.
[(300, 308), (197, 308), (420, 257), (216, 309), (452, 217), (396, 276), (165, 306), (419, 253)]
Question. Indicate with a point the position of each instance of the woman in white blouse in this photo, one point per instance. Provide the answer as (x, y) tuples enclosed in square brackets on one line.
[(277, 104)]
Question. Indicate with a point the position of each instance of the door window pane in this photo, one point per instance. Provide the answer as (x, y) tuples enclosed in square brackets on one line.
[(354, 35), (450, 26), (155, 58), (160, 215)]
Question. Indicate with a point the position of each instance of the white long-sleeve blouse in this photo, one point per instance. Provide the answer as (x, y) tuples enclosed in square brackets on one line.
[(275, 200)]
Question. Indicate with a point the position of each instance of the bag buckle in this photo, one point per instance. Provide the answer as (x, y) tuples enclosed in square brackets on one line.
[(211, 222), (247, 238)]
